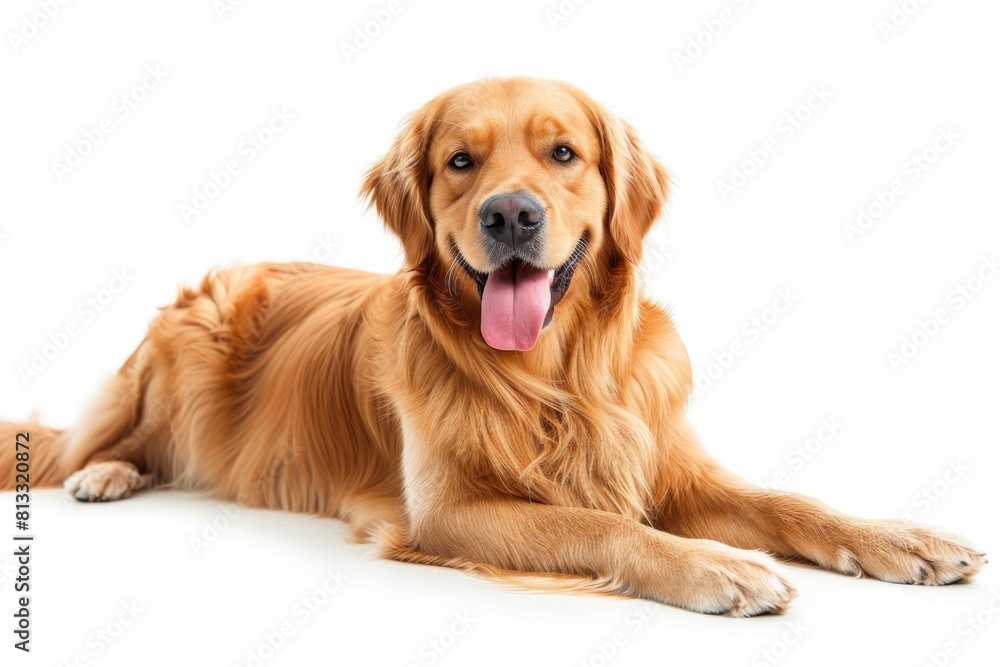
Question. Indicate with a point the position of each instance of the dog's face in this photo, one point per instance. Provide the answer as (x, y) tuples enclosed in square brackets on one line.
[(516, 181)]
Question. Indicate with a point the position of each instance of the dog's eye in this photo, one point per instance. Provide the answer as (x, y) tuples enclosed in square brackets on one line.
[(461, 161), (563, 153)]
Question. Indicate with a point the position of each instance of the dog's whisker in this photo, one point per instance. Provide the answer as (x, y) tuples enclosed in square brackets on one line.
[(448, 122), (448, 276)]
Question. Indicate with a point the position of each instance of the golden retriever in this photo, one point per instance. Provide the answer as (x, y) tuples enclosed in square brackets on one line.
[(509, 403)]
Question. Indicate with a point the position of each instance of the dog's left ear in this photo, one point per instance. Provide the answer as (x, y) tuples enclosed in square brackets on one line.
[(637, 185), (397, 185)]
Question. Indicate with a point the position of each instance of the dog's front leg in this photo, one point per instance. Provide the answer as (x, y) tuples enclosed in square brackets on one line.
[(700, 575), (451, 517), (701, 500)]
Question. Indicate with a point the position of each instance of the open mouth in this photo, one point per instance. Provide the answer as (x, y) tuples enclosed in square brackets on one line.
[(518, 298)]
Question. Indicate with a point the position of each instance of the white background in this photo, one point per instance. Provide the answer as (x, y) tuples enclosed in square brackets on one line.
[(717, 263)]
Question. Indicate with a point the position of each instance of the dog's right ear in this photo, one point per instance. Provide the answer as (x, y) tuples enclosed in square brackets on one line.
[(397, 185)]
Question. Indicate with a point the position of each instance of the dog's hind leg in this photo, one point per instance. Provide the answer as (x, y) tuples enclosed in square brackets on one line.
[(109, 448)]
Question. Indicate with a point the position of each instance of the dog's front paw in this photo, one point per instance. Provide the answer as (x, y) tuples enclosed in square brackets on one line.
[(108, 480), (719, 579), (904, 553)]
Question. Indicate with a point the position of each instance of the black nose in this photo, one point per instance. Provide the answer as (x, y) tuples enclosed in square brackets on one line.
[(511, 219)]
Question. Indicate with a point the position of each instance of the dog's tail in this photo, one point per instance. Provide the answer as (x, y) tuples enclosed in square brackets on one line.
[(31, 455)]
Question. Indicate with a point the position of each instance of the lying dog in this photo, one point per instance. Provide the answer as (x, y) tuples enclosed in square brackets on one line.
[(509, 403)]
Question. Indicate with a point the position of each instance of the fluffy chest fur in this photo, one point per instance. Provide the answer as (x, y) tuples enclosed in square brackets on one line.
[(570, 427)]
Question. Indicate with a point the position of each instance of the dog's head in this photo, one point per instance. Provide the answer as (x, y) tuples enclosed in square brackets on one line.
[(517, 181)]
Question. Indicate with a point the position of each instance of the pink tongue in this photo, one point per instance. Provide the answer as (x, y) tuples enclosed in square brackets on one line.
[(514, 307)]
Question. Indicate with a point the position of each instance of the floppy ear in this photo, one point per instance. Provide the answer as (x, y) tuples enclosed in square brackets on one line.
[(397, 186), (637, 185)]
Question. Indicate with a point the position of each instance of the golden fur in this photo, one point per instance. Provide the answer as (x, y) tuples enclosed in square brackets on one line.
[(375, 399)]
